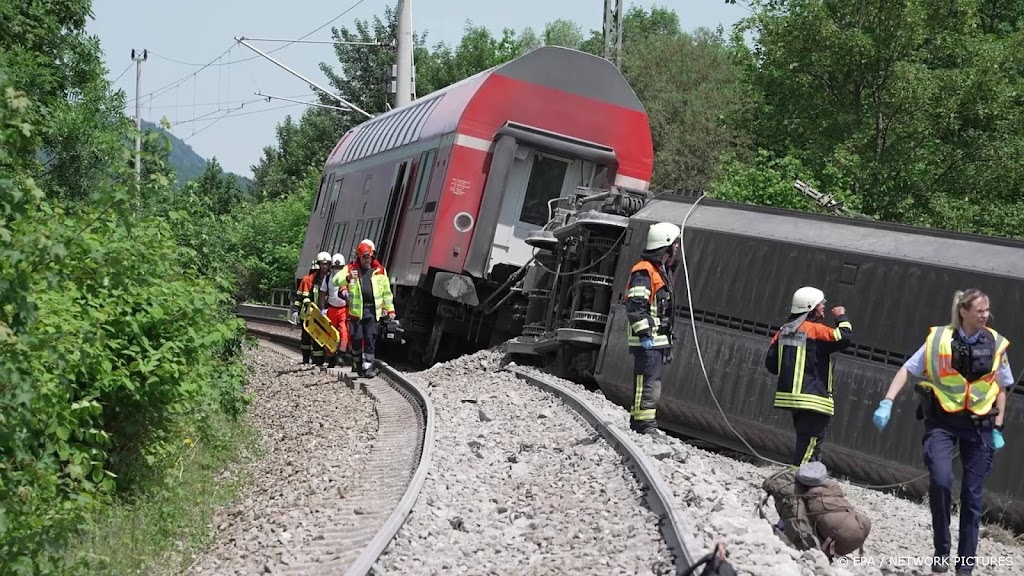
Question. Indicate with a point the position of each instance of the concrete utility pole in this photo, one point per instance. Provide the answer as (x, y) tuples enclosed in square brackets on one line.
[(613, 31), (403, 58), (139, 58)]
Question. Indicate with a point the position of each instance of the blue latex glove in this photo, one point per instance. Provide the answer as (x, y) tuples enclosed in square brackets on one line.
[(647, 343), (881, 416), (997, 440), (324, 312)]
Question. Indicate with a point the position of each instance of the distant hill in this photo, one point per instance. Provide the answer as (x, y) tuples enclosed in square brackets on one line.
[(187, 164)]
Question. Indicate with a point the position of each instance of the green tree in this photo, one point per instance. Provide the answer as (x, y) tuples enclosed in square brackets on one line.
[(563, 32), (689, 86), (219, 192), (914, 107), (48, 55)]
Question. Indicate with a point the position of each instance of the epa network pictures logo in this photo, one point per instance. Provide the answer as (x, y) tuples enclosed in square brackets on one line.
[(922, 561)]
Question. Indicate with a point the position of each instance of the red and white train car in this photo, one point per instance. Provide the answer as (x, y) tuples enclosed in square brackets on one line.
[(449, 186)]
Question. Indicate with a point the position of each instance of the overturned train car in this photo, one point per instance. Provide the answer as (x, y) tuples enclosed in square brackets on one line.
[(744, 263)]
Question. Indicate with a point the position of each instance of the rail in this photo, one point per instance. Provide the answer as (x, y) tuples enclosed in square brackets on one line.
[(405, 387), (674, 530)]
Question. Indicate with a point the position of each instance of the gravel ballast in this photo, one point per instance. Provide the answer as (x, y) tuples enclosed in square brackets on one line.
[(719, 496), (315, 436), (520, 484)]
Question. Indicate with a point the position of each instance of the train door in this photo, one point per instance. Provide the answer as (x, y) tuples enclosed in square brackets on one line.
[(535, 179), (396, 209)]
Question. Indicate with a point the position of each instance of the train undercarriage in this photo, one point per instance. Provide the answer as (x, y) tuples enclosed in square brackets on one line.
[(554, 308)]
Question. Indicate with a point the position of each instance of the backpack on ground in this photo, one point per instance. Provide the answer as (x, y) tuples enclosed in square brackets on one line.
[(814, 511)]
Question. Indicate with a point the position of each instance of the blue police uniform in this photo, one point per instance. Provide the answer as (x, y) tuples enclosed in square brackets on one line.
[(942, 431)]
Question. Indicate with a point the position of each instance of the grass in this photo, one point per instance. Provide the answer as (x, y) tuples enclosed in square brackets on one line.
[(160, 530)]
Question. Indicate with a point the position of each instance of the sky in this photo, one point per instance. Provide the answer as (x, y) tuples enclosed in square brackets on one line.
[(216, 110)]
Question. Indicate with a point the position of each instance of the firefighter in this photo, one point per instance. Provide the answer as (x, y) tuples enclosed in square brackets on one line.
[(369, 300), (800, 354), (965, 378), (300, 308), (337, 311), (649, 312), (310, 289)]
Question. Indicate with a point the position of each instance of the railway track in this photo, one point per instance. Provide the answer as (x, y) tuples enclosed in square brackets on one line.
[(398, 464), (399, 398)]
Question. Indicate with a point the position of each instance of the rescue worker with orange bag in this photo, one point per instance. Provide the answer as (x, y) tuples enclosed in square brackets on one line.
[(336, 305), (369, 300), (965, 379), (307, 295)]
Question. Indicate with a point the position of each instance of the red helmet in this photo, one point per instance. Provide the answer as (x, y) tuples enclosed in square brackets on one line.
[(365, 247)]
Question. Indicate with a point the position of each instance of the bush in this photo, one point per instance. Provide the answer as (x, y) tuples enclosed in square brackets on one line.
[(114, 351)]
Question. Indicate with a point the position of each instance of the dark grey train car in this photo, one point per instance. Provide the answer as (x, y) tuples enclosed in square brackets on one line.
[(745, 262)]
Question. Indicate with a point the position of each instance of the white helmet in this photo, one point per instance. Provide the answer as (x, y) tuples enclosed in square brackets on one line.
[(661, 234), (323, 257), (338, 260), (805, 299)]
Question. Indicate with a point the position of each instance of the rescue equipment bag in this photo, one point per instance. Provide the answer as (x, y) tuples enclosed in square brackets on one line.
[(841, 528), (789, 503), (815, 512)]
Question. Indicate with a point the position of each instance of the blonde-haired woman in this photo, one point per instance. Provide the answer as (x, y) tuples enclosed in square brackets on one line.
[(965, 374)]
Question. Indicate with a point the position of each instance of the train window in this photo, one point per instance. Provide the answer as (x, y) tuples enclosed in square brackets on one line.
[(423, 180), (546, 179), (320, 191), (371, 230), (378, 228), (356, 238), (366, 184), (339, 237), (335, 190)]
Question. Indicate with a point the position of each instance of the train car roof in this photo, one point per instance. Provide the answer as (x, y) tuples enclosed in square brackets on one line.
[(439, 112), (974, 252)]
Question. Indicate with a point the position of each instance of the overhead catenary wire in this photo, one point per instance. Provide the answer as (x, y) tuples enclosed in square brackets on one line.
[(126, 68), (229, 114), (214, 62)]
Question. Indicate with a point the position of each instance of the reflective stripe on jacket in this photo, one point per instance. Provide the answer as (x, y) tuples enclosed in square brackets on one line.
[(648, 305), (953, 390), (804, 364), (382, 297), (305, 292)]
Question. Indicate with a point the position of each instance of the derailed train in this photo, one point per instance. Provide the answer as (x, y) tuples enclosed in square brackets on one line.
[(743, 264), (513, 204)]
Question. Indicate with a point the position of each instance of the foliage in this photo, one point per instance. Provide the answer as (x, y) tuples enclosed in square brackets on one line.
[(112, 349), (687, 109), (264, 241), (761, 180), (300, 145), (47, 54), (187, 164), (162, 531), (917, 105), (110, 386), (218, 192)]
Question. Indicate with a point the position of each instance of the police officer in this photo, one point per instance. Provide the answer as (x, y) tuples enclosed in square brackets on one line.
[(800, 354), (649, 311), (369, 300), (965, 376)]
